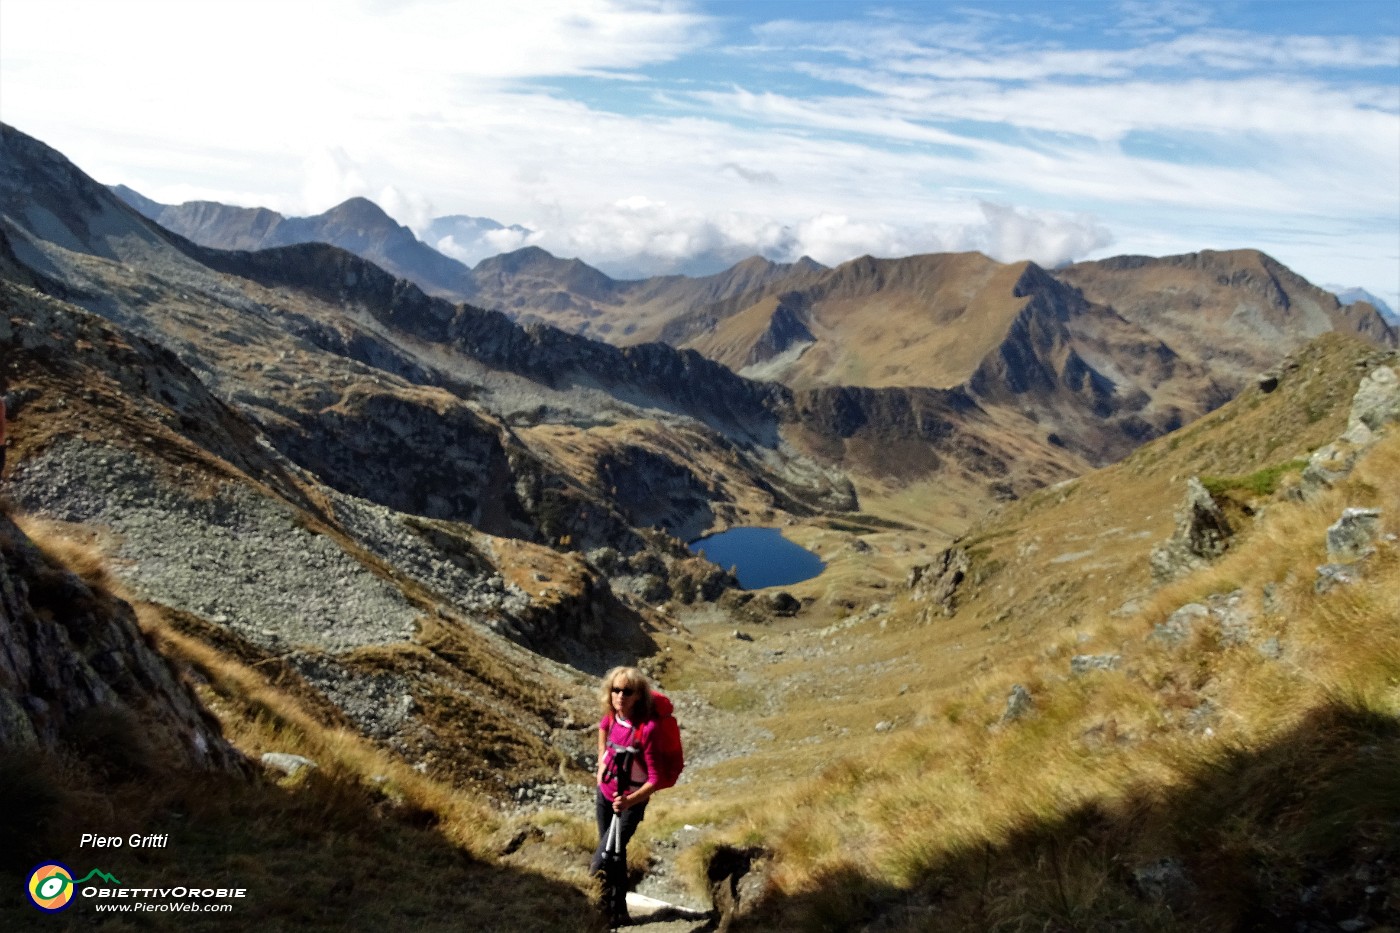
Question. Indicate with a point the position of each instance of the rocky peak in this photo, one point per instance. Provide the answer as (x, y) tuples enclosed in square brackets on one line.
[(532, 267), (1034, 280), (361, 212), (151, 209)]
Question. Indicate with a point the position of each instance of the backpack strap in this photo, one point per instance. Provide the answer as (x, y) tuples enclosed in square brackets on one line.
[(623, 755)]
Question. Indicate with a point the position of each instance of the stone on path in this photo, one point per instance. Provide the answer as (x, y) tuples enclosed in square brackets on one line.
[(645, 909)]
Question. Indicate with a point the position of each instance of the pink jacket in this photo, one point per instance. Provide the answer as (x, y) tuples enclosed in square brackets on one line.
[(636, 736)]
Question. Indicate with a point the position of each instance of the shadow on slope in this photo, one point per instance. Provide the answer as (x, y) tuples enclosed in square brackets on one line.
[(1301, 834), (103, 735), (321, 853)]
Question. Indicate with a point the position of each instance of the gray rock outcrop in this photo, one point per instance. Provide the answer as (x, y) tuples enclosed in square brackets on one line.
[(286, 763), (1352, 535), (937, 583), (1164, 881), (1375, 406), (1018, 704), (1084, 663), (1228, 612), (1349, 543), (72, 656), (1377, 400), (1330, 576), (1202, 534)]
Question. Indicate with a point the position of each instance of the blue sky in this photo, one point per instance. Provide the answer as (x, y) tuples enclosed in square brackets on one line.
[(654, 136)]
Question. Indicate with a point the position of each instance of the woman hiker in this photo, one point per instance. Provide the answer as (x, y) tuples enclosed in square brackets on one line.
[(627, 777)]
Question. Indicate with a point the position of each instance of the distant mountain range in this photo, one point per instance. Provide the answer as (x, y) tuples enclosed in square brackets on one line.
[(528, 283), (996, 377), (1350, 296), (358, 225)]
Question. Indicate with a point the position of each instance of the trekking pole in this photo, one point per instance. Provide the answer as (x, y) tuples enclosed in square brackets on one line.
[(612, 843)]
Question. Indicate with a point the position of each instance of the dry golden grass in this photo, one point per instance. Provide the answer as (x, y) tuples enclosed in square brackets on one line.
[(1113, 770)]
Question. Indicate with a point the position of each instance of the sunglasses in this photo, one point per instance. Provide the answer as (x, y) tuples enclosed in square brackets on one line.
[(625, 691)]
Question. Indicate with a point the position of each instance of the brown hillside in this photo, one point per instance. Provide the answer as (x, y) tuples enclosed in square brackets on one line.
[(923, 320), (1255, 756), (1239, 310), (534, 287)]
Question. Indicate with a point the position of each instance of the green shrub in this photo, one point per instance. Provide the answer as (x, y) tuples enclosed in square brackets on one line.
[(1261, 483)]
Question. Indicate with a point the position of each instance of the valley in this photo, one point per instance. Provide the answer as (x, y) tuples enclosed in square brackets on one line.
[(267, 494)]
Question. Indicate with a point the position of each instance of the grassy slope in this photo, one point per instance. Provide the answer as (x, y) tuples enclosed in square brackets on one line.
[(1242, 767)]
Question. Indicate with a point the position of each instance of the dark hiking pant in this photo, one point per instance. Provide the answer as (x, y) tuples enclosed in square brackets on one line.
[(630, 817)]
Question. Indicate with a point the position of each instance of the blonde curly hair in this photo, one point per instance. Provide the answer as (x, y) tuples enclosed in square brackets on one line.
[(631, 677)]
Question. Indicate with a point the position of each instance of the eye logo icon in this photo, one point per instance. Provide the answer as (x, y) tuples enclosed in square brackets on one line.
[(51, 887)]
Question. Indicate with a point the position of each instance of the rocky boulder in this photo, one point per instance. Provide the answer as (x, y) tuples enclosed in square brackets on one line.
[(1377, 400), (1352, 535), (1202, 534), (1375, 406), (1084, 663), (784, 604), (937, 583), (1018, 704), (1227, 612)]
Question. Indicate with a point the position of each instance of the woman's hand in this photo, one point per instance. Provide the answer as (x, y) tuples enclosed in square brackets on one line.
[(638, 797)]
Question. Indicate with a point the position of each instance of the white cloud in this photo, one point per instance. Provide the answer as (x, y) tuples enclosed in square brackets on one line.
[(331, 176), (412, 210), (643, 237), (507, 239), (1160, 17), (490, 243), (551, 115), (1048, 239)]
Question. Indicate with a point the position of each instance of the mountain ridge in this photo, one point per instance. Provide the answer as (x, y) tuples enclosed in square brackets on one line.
[(356, 224), (533, 286), (1073, 385)]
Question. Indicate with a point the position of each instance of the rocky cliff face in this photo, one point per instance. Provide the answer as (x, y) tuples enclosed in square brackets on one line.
[(655, 491), (203, 518), (70, 652), (1101, 385), (912, 434), (652, 375), (43, 193), (421, 455), (787, 329)]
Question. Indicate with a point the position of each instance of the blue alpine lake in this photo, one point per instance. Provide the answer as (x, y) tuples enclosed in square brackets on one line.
[(759, 556)]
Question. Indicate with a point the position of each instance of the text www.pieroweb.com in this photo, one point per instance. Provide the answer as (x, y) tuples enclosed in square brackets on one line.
[(173, 907)]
